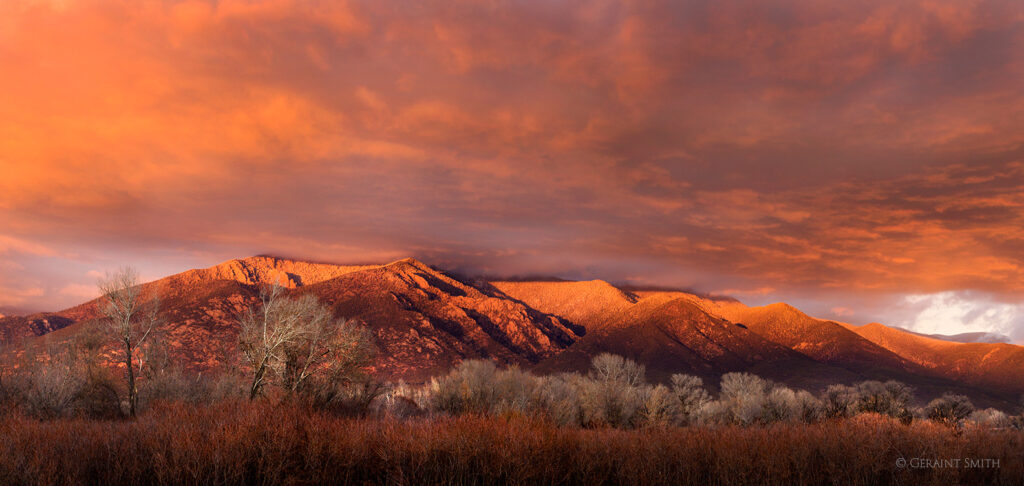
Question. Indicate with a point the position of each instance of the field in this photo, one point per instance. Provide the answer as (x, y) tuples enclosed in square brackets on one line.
[(237, 442)]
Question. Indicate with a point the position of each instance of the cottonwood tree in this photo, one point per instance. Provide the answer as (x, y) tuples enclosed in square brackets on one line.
[(890, 398), (130, 314), (614, 393), (300, 345), (743, 397), (839, 401), (690, 392), (949, 409)]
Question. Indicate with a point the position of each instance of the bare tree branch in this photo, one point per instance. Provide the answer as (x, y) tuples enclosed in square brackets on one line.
[(296, 339), (130, 316)]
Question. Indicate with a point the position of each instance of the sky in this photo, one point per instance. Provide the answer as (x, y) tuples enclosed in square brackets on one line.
[(863, 160)]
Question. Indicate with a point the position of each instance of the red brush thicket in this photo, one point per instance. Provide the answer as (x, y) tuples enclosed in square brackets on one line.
[(238, 442)]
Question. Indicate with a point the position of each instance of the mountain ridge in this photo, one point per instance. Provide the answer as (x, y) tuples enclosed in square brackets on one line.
[(426, 320)]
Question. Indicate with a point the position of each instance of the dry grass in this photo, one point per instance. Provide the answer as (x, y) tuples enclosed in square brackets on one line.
[(243, 443)]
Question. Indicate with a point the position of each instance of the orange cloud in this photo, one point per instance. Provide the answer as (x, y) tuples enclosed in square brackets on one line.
[(803, 145)]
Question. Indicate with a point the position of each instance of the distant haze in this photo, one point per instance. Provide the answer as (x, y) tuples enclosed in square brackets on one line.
[(863, 161)]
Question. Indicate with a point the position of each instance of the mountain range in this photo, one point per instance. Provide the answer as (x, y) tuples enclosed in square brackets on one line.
[(426, 320)]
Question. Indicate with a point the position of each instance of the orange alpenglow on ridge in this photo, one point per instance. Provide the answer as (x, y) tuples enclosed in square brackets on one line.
[(425, 321)]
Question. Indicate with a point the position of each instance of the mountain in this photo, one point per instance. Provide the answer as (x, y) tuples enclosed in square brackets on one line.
[(16, 328), (672, 335), (671, 331), (823, 341), (7, 311), (965, 337), (426, 320), (589, 304), (992, 365), (265, 269)]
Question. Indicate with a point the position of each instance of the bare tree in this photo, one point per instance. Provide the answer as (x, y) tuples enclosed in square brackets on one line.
[(297, 339), (890, 398), (615, 392), (839, 401), (264, 333), (692, 396), (949, 409), (130, 314)]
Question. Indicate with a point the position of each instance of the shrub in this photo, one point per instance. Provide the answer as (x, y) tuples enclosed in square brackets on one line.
[(353, 399), (66, 379), (891, 398), (398, 402), (949, 409), (560, 395), (176, 385), (810, 408), (839, 401), (52, 390), (517, 393), (468, 388), (12, 393), (260, 443), (477, 386), (780, 405), (991, 417), (661, 407)]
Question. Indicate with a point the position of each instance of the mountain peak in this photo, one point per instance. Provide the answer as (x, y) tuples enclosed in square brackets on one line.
[(408, 261), (586, 303), (265, 269), (784, 309)]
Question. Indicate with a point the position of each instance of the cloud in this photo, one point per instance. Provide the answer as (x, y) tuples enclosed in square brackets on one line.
[(762, 291), (842, 311), (865, 148), (957, 312), (15, 296), (81, 292), (9, 244)]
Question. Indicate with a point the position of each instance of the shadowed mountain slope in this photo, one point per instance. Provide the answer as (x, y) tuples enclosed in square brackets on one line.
[(427, 321), (824, 341), (672, 335)]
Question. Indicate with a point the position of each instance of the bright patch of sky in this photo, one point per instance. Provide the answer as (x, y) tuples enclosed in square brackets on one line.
[(958, 312)]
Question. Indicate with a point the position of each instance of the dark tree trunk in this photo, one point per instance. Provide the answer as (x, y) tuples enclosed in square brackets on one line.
[(257, 381), (132, 391)]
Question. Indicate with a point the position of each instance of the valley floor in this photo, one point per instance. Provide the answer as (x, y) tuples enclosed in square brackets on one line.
[(242, 443)]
